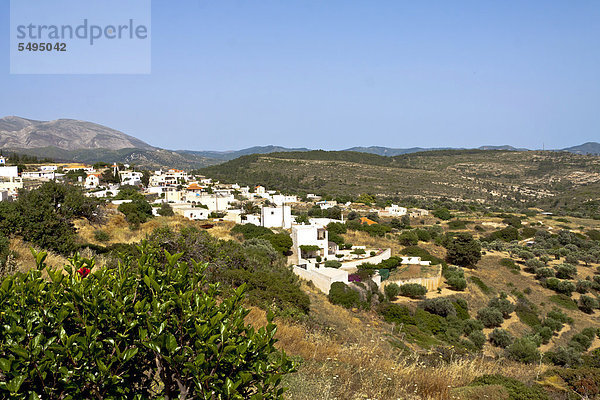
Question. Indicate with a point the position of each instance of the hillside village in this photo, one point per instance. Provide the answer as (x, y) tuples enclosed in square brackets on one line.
[(199, 198), (515, 287)]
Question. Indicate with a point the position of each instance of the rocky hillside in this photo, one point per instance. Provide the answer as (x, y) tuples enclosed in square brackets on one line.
[(66, 134)]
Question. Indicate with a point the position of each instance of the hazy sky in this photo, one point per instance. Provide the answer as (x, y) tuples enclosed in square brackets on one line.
[(335, 74)]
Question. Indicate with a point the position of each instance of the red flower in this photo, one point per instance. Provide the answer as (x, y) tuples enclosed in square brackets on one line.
[(83, 272)]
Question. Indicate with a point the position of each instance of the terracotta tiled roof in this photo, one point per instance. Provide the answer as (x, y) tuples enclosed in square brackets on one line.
[(365, 220)]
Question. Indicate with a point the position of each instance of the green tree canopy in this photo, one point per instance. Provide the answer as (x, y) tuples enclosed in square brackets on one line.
[(463, 250)]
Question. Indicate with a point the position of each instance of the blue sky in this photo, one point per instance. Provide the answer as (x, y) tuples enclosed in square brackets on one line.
[(335, 74)]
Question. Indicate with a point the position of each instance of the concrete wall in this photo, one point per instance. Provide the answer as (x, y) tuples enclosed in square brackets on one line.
[(321, 281), (431, 283)]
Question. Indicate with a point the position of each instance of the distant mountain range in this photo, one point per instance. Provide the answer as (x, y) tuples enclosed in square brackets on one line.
[(233, 154), (68, 139), (586, 148), (66, 134)]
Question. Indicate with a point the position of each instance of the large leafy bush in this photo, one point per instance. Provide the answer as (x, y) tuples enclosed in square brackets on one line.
[(44, 216), (145, 329)]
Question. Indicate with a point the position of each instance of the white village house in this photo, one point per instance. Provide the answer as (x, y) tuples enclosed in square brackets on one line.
[(276, 217)]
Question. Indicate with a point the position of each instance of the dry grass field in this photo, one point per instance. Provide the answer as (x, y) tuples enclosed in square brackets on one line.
[(347, 354)]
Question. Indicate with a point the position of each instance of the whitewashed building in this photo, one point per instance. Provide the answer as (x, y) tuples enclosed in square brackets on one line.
[(9, 172), (251, 219), (276, 217), (133, 178), (49, 175), (92, 181), (189, 212), (310, 235), (280, 199), (394, 211), (218, 202)]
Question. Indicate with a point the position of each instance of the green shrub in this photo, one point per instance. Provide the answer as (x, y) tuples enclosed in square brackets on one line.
[(507, 234), (423, 235), (392, 290), (409, 238), (527, 312), (516, 389), (129, 192), (333, 264), (336, 227), (542, 273), (555, 320), (553, 324), (523, 350), (513, 220), (490, 317), (462, 308), (341, 294), (588, 304), (455, 278), (44, 216), (440, 306), (582, 286), (457, 224), (528, 232), (562, 287), (593, 234), (101, 236), (502, 304), (442, 213), (563, 301), (471, 325), (566, 271), (593, 359), (463, 250), (281, 242), (581, 341), (477, 338), (165, 210), (136, 212), (545, 333), (559, 316), (413, 290), (429, 322), (255, 262), (116, 332), (564, 357), (457, 283), (250, 231), (397, 313), (501, 338)]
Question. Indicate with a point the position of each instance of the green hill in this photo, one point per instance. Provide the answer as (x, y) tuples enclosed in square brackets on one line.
[(552, 180)]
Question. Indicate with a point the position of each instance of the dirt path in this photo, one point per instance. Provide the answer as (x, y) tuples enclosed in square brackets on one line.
[(545, 347)]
